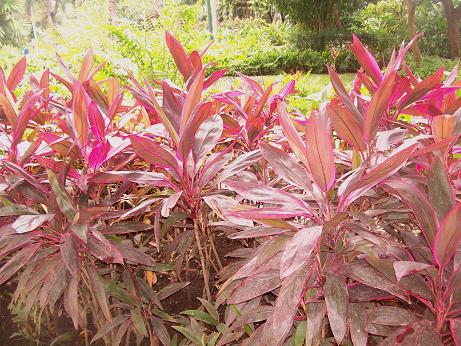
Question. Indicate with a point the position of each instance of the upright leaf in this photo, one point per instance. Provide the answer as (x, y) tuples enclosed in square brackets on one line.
[(448, 236), (319, 152), (377, 107)]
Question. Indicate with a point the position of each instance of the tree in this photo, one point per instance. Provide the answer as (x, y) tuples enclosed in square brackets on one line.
[(411, 9), (453, 16), (13, 27), (317, 15)]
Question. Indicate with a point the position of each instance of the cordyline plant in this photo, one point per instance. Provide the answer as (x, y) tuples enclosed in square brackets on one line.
[(358, 232), (350, 218)]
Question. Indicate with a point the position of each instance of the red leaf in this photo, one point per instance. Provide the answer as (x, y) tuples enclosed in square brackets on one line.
[(100, 292), (448, 236), (153, 153), (422, 88), (96, 122), (366, 60), (17, 262), (292, 135), (286, 305), (377, 107), (17, 74), (69, 253), (346, 125), (79, 120), (343, 95), (337, 300), (192, 99), (285, 166), (179, 55), (384, 170), (87, 66), (298, 250), (319, 152)]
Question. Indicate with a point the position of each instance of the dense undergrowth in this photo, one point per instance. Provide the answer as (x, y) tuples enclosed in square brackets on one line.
[(340, 227)]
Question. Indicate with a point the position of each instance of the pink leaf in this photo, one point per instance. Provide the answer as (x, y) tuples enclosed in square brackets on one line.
[(153, 153), (298, 249), (292, 135), (285, 166), (319, 152), (98, 155), (179, 55), (404, 268), (337, 301), (96, 122), (169, 203), (80, 105)]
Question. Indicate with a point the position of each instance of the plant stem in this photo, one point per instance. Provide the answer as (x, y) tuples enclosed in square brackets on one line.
[(202, 259)]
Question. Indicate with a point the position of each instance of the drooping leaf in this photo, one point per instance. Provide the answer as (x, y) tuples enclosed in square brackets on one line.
[(314, 322), (404, 268), (69, 253), (108, 326), (419, 204), (100, 293), (17, 262), (337, 300), (455, 327)]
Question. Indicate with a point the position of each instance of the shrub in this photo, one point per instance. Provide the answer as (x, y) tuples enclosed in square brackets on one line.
[(344, 224)]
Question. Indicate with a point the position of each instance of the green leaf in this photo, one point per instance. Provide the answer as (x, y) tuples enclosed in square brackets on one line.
[(62, 197), (201, 316), (300, 333), (196, 339), (210, 308), (137, 319)]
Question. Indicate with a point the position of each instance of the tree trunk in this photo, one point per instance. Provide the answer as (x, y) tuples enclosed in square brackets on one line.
[(113, 7), (453, 15), (411, 9)]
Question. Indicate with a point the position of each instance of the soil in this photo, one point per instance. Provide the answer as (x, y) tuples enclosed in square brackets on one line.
[(7, 326)]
